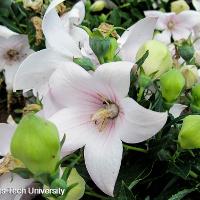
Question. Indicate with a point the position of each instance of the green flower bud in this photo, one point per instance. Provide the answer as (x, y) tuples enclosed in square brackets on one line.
[(171, 84), (98, 6), (196, 98), (59, 184), (186, 50), (159, 59), (189, 136), (78, 191), (179, 6), (36, 143), (190, 74)]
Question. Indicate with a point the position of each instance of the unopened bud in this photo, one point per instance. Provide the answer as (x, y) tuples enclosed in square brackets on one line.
[(98, 5), (179, 6), (195, 105), (172, 84), (36, 143), (189, 136), (159, 59)]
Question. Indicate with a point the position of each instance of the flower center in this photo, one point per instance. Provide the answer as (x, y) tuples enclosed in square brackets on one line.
[(102, 116), (12, 54), (170, 25), (9, 163)]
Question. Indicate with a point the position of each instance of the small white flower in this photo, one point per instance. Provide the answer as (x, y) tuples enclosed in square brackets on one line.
[(13, 50), (178, 26), (67, 41), (98, 114)]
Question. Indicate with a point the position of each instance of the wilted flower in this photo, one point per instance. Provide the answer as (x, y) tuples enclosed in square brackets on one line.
[(35, 5), (159, 59), (13, 51), (190, 73), (179, 6), (98, 114), (179, 26), (37, 23)]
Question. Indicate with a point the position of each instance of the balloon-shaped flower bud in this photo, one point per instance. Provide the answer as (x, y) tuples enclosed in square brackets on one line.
[(98, 5), (189, 136), (159, 59), (190, 72), (186, 50), (179, 6), (171, 84), (78, 191), (195, 105), (36, 143)]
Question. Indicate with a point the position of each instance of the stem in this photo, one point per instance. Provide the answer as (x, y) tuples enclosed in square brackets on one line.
[(140, 93), (93, 194), (135, 148), (193, 174)]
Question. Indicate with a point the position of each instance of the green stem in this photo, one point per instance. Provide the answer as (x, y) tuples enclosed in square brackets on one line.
[(193, 174), (140, 93), (95, 195), (135, 148)]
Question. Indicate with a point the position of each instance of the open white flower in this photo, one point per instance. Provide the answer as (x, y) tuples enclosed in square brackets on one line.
[(13, 50), (178, 26), (8, 179), (99, 115)]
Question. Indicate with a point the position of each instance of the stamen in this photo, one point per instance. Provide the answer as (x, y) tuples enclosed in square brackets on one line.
[(12, 54), (103, 115), (9, 163), (170, 25)]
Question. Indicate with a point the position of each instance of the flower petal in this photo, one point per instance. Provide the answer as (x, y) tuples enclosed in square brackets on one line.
[(177, 109), (116, 75), (14, 181), (103, 159), (36, 70), (76, 14), (196, 4), (6, 132), (180, 33), (153, 13), (164, 37), (136, 36), (139, 123), (69, 83), (56, 35), (75, 123), (5, 32), (188, 18)]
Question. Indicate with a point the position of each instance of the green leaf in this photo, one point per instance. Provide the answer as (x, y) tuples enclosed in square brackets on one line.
[(85, 63), (125, 193), (181, 194), (142, 59)]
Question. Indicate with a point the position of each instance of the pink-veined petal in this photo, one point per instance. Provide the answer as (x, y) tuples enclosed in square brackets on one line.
[(103, 157), (5, 32), (139, 123), (75, 123), (188, 18), (116, 75), (179, 33), (6, 132), (136, 36), (36, 70)]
